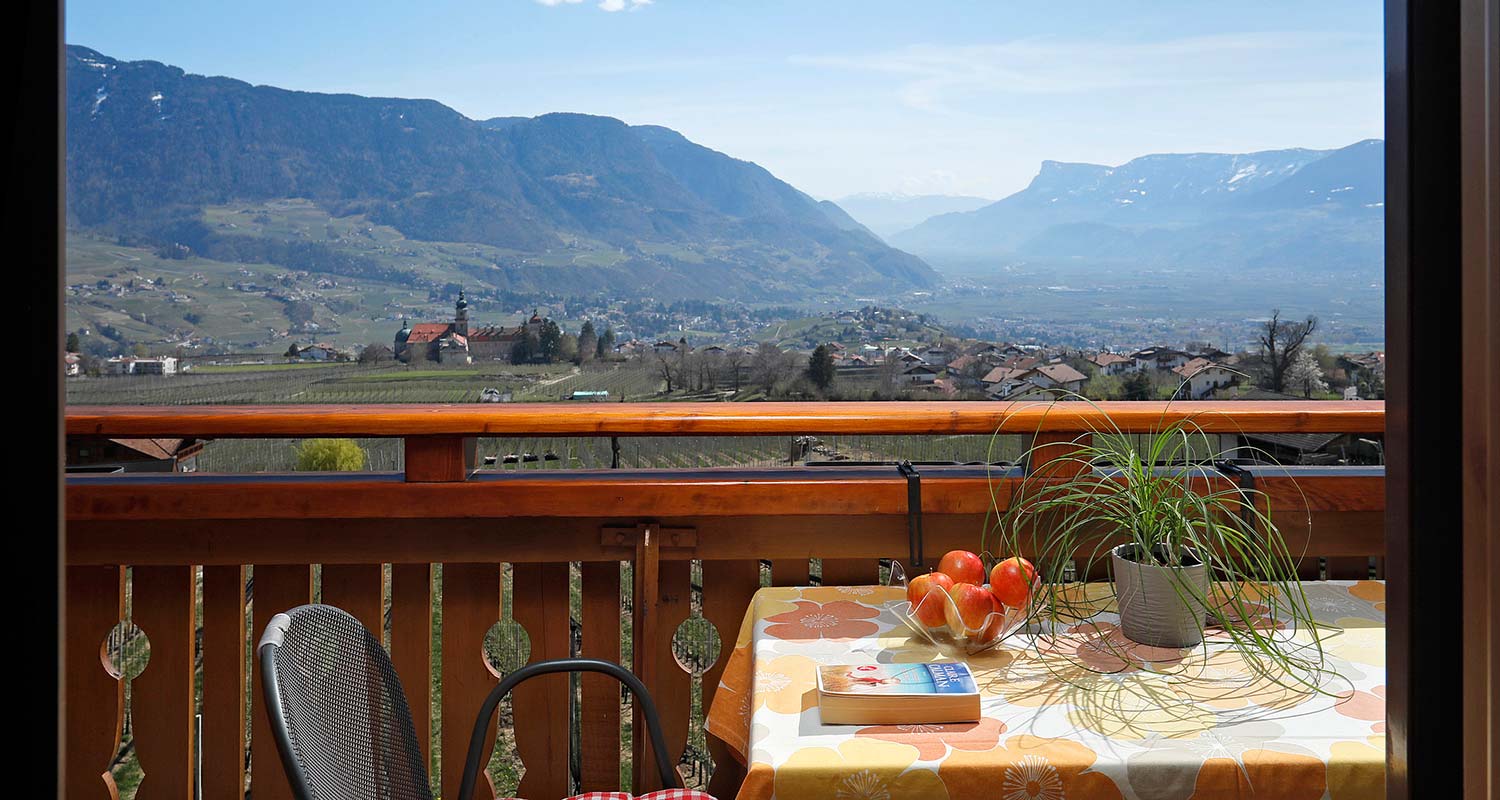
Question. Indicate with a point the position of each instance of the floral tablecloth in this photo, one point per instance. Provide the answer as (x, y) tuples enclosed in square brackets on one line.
[(1156, 724)]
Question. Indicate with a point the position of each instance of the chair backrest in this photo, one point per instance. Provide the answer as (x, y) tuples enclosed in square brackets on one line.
[(340, 718)]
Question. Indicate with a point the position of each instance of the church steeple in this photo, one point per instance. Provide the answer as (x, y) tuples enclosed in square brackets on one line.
[(461, 315)]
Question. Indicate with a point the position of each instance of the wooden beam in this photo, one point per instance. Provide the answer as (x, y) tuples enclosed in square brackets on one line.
[(593, 493), (783, 539), (721, 419)]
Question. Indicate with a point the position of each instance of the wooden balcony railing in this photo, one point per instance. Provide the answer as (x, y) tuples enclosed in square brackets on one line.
[(442, 514)]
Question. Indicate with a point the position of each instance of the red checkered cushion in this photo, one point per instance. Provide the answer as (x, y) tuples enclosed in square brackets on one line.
[(659, 794)]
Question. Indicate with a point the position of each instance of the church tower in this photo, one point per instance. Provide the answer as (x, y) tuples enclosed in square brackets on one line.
[(461, 315)]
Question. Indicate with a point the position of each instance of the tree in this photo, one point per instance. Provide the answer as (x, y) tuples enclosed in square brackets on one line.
[(820, 369), (72, 346), (606, 343), (330, 455), (770, 366), (588, 342), (1280, 341), (1305, 375), (1137, 387), (549, 341), (734, 361), (1103, 387), (291, 352), (524, 348), (568, 349), (373, 353), (666, 364)]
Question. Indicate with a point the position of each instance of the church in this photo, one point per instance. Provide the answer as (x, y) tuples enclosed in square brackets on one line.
[(455, 342)]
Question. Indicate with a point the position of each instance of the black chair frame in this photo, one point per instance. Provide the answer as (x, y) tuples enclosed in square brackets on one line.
[(297, 775)]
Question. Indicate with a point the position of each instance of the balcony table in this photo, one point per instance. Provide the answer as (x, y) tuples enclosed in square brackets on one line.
[(1193, 726)]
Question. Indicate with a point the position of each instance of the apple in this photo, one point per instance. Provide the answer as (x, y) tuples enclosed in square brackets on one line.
[(1011, 581), (972, 606), (962, 566), (925, 593)]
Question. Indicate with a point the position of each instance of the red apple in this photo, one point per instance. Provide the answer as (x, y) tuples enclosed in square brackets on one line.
[(1011, 581), (963, 567), (925, 593), (972, 606)]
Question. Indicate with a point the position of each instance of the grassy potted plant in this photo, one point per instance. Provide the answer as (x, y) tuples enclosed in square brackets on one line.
[(1189, 550)]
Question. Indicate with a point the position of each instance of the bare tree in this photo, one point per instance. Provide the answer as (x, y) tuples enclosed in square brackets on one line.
[(1280, 340), (666, 364), (734, 361), (770, 366)]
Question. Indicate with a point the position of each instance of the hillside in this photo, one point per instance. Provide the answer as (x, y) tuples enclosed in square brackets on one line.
[(150, 147), (1281, 209)]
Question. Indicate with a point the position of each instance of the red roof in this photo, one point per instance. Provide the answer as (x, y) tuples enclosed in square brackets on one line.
[(1061, 373), (428, 332), (1105, 359)]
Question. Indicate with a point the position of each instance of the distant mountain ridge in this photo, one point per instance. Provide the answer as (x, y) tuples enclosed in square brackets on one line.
[(1278, 208), (888, 213), (149, 146)]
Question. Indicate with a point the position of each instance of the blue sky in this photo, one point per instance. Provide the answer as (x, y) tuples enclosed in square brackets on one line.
[(834, 96)]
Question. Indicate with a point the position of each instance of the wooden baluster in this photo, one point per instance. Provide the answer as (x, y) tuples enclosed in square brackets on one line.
[(646, 572), (1051, 450), (471, 606), (162, 698), (728, 587), (599, 736), (411, 645), (223, 683), (95, 706), (672, 687), (540, 706), (789, 572), (358, 589), (850, 572), (277, 588), (438, 459)]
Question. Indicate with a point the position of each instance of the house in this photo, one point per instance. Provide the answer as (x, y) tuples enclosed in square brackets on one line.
[(1113, 363), (920, 374), (72, 365), (318, 352), (1361, 366), (1001, 381), (133, 455), (1057, 376), (130, 365), (937, 355), (1201, 377), (1159, 358)]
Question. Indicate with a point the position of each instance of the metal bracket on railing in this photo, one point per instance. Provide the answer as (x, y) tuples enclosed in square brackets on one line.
[(913, 511), (1245, 479)]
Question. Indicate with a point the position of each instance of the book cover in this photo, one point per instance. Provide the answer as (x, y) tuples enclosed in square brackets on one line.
[(942, 677), (866, 694)]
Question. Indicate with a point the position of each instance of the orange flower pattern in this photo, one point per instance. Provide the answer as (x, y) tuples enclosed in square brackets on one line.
[(1075, 711), (840, 619)]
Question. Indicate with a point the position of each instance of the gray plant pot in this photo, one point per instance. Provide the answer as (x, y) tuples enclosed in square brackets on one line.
[(1160, 606)]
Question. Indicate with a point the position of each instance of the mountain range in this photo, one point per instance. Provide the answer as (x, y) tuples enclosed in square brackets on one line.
[(149, 147), (1297, 209), (887, 213)]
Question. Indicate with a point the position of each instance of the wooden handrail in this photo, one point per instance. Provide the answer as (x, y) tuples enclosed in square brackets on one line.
[(721, 419)]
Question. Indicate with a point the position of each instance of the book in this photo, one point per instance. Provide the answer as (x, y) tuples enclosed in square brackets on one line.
[(897, 694)]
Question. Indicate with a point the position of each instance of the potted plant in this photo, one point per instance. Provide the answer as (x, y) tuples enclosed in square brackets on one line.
[(1187, 548)]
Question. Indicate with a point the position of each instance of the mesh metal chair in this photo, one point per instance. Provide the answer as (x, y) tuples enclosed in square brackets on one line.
[(341, 721)]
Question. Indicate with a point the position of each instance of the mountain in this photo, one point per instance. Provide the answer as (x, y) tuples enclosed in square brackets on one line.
[(1273, 209), (887, 214), (150, 147)]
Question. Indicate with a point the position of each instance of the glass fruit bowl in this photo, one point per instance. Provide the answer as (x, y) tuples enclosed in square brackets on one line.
[(969, 620)]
